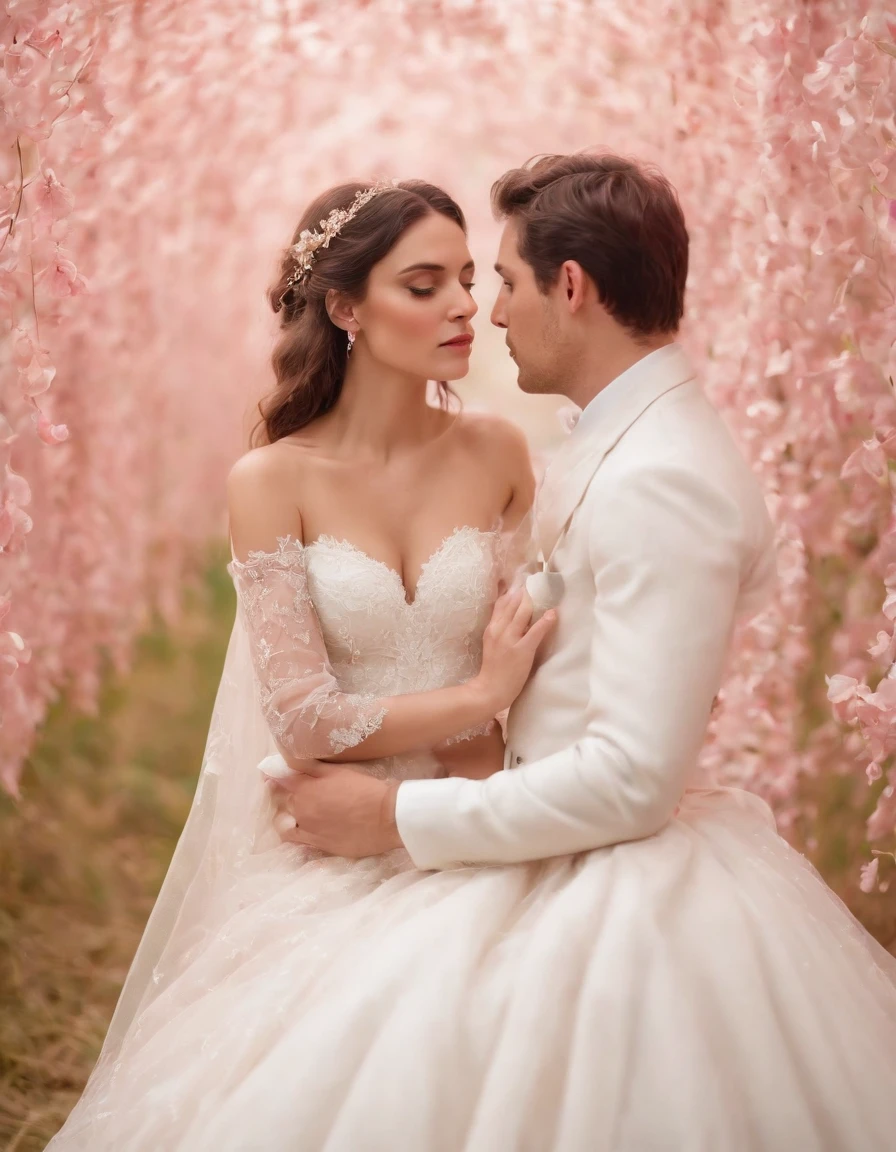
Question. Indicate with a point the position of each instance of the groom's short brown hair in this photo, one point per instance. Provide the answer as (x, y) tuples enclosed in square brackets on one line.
[(619, 220)]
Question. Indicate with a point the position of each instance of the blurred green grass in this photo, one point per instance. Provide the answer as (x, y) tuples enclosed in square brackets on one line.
[(84, 852)]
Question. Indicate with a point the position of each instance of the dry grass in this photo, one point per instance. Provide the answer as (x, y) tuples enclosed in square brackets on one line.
[(83, 855)]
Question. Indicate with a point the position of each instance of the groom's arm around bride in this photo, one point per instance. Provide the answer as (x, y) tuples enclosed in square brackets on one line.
[(664, 553)]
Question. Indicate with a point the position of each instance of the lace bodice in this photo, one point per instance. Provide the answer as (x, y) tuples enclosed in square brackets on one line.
[(333, 634)]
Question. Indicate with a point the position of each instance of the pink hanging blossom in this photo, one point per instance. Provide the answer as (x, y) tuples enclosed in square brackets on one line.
[(868, 881), (52, 198), (51, 433), (64, 279)]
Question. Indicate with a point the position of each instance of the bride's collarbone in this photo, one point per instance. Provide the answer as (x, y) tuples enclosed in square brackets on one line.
[(401, 521)]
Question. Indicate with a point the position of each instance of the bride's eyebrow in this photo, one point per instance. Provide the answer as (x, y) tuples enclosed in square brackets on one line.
[(468, 267)]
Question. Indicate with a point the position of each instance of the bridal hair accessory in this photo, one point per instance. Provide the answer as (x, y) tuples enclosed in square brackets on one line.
[(305, 248)]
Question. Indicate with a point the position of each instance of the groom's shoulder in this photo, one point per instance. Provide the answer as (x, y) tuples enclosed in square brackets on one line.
[(683, 427), (682, 444)]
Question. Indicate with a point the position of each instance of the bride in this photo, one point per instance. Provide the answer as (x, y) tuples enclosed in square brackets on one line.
[(697, 990), (368, 533)]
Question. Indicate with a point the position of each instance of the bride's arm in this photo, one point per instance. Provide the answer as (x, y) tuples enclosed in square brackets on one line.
[(309, 715), (476, 758)]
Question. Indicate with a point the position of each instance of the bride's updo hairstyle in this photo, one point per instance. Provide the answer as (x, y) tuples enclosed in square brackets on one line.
[(311, 353)]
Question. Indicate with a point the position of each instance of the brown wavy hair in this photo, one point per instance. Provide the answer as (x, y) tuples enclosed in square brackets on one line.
[(311, 353), (620, 220)]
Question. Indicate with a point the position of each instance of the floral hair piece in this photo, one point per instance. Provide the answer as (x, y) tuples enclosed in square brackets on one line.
[(306, 247)]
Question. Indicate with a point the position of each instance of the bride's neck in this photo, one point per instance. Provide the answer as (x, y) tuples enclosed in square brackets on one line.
[(380, 411)]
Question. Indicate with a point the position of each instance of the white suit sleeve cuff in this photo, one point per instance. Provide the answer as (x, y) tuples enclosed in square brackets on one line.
[(422, 810)]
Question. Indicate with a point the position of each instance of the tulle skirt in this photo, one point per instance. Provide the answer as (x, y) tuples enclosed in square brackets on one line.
[(701, 990)]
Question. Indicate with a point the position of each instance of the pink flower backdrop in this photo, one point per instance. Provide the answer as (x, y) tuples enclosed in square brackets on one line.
[(156, 155)]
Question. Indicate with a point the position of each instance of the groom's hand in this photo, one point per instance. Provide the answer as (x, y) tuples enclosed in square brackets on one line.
[(338, 809)]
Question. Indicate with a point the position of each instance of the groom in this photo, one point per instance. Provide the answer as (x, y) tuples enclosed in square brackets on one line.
[(648, 518)]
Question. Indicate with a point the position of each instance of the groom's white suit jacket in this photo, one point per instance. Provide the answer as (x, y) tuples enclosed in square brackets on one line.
[(660, 533)]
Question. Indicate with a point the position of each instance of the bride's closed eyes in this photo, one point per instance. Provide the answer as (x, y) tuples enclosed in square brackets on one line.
[(431, 271), (431, 291)]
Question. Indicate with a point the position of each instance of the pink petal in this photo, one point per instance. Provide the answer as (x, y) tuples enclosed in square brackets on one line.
[(841, 688), (17, 489), (13, 652), (841, 55), (24, 66), (869, 875), (6, 526), (51, 434), (869, 458), (881, 645), (52, 197), (779, 362), (65, 280), (23, 350), (38, 376)]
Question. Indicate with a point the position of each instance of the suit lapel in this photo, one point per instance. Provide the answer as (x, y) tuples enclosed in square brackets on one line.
[(570, 472)]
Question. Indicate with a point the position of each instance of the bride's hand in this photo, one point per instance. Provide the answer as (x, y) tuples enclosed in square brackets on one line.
[(509, 645), (281, 776)]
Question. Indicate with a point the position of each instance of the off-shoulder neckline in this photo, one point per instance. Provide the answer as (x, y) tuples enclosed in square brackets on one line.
[(289, 545)]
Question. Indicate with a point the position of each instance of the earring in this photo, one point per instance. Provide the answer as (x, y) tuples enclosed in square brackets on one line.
[(351, 342)]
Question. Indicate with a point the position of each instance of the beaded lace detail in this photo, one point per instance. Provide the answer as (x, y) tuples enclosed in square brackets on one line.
[(332, 633)]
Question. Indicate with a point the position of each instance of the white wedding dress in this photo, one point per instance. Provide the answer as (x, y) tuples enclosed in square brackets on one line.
[(697, 991)]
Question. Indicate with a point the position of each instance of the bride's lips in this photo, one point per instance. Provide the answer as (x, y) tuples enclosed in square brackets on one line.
[(462, 343)]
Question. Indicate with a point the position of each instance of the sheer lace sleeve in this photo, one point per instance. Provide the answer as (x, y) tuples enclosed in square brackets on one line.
[(470, 733), (307, 713)]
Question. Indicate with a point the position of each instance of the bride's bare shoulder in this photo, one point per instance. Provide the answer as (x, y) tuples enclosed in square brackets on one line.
[(262, 490), (492, 434), (498, 441), (501, 447), (266, 468)]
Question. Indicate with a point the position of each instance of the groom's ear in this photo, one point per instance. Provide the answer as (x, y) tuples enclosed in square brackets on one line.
[(575, 283)]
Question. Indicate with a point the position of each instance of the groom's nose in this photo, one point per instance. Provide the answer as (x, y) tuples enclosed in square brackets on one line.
[(498, 316)]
